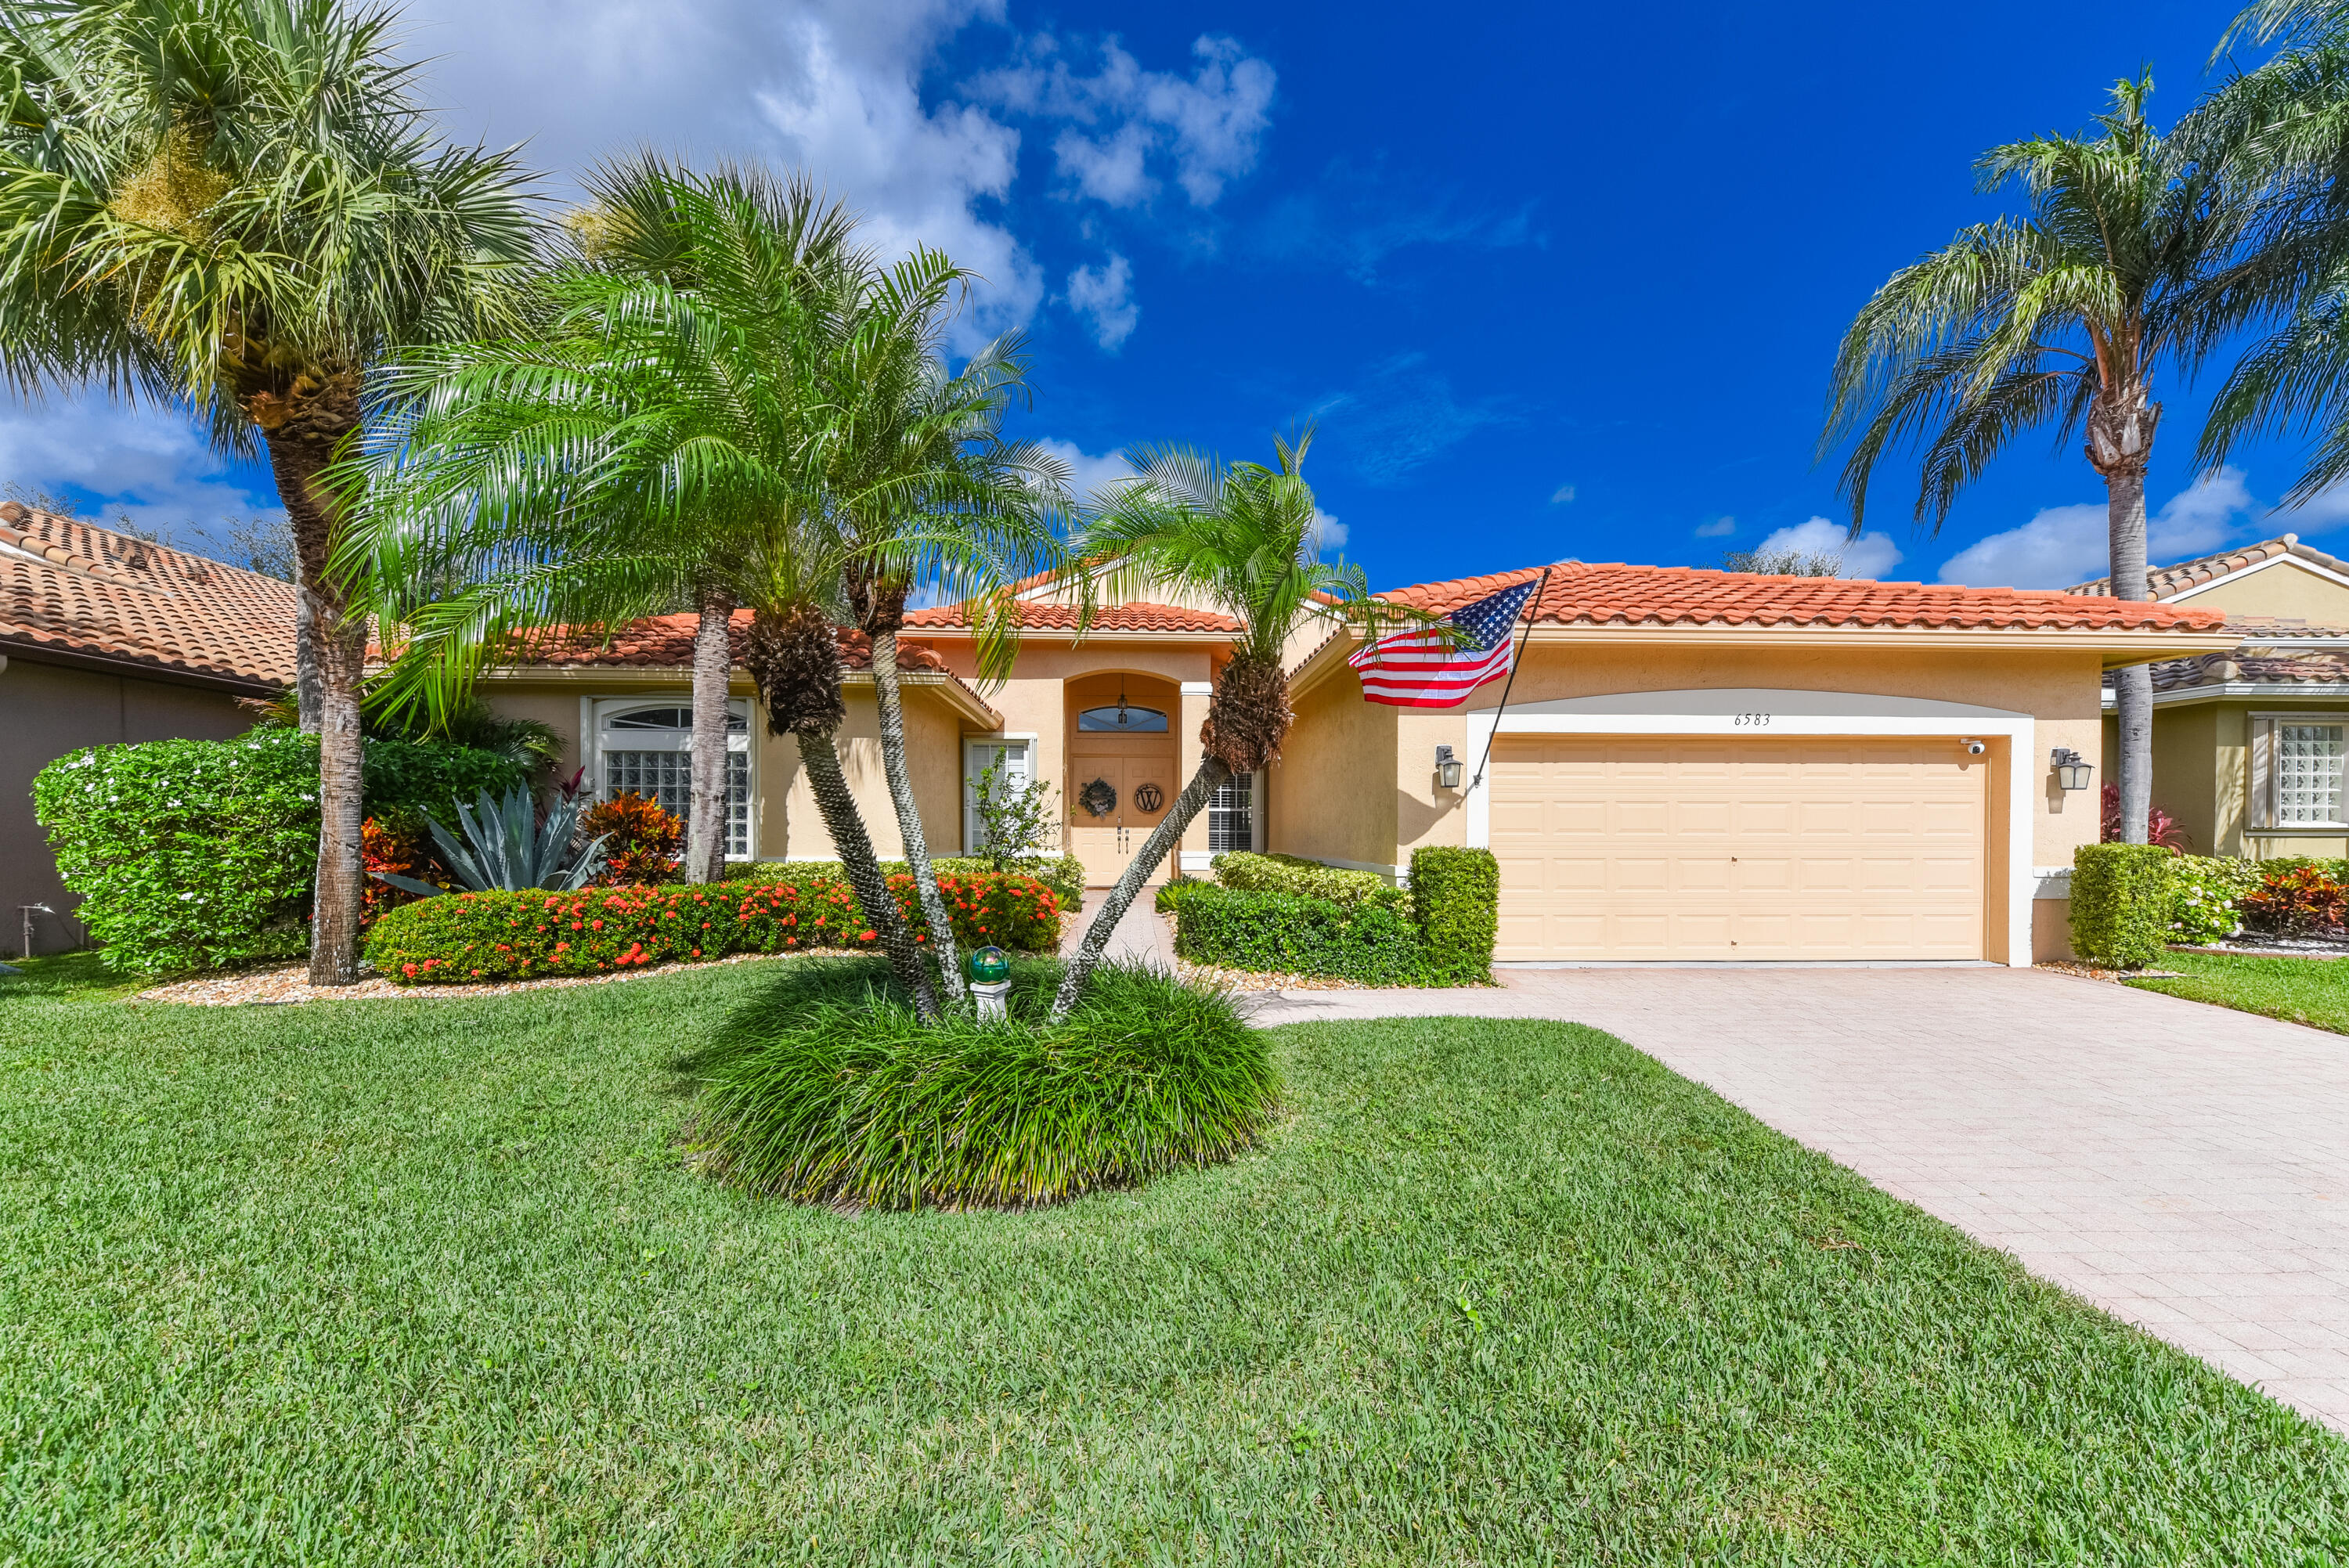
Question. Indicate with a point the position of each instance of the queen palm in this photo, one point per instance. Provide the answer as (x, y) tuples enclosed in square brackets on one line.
[(1244, 537), (235, 207), (2063, 318), (662, 429)]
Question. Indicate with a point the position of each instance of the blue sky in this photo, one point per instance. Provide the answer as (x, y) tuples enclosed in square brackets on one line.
[(1552, 281)]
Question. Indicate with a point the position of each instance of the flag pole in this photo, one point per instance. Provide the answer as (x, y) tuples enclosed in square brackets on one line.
[(1533, 604)]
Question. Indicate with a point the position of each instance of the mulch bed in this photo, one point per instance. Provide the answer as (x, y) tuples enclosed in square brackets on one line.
[(246, 987), (2090, 972)]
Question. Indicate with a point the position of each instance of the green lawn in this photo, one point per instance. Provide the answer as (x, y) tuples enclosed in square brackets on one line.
[(424, 1280), (2304, 990)]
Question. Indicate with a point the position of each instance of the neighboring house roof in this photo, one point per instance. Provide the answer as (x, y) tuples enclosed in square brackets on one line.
[(1613, 594), (2169, 582), (1044, 615), (2252, 666), (86, 594), (666, 642)]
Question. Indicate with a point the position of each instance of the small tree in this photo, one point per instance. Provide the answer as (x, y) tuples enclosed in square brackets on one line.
[(1016, 822)]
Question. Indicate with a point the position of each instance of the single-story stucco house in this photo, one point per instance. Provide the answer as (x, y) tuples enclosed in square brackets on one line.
[(1693, 765), (2250, 743), (106, 638)]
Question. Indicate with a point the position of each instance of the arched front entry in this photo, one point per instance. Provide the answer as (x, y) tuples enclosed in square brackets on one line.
[(1121, 768)]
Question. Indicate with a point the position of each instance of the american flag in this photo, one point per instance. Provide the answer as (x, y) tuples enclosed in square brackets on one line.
[(1424, 668)]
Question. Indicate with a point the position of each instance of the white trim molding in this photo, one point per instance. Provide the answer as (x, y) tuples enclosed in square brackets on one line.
[(1199, 688), (1197, 861), (2050, 882), (1760, 713), (2287, 559)]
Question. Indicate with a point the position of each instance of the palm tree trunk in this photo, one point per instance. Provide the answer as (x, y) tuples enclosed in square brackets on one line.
[(2121, 424), (302, 435), (863, 867), (1212, 776), (909, 813), (713, 666), (2132, 683), (308, 699)]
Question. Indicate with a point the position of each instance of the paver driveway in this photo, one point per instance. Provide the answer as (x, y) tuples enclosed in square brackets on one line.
[(2184, 1166)]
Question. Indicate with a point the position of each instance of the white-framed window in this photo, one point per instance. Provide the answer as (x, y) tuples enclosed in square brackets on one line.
[(1018, 755), (643, 746), (2298, 761), (1231, 815)]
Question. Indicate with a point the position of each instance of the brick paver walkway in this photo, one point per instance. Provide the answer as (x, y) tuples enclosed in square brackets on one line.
[(2184, 1166), (1143, 934)]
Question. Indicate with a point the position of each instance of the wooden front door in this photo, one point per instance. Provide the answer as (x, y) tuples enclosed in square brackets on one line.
[(1134, 790)]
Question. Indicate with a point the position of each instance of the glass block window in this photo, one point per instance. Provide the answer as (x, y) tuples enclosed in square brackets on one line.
[(2308, 772), (1231, 815), (648, 751)]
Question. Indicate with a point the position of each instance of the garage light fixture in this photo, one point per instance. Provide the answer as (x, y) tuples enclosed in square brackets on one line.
[(1447, 768), (2070, 771)]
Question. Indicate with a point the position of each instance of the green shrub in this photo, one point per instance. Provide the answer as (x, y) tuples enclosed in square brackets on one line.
[(1245, 872), (1290, 934), (2121, 903), (196, 854), (460, 938), (833, 1092), (2204, 890), (1456, 894), (188, 854), (1064, 874), (1172, 892)]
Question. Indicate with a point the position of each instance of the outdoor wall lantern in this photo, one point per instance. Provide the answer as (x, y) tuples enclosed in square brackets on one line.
[(1447, 768), (2070, 771)]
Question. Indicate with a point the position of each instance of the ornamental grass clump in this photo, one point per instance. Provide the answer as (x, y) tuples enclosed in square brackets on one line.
[(833, 1091)]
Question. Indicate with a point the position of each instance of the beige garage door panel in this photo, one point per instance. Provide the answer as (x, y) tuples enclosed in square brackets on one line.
[(1701, 848)]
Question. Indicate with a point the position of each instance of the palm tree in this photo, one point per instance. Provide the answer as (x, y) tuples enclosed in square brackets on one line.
[(667, 426), (235, 207), (1244, 537), (2280, 134), (2063, 317), (930, 493)]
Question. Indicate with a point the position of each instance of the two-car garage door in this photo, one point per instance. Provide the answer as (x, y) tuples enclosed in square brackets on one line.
[(1615, 847)]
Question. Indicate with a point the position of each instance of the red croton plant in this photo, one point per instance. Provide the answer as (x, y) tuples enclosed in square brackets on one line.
[(2160, 827), (642, 841)]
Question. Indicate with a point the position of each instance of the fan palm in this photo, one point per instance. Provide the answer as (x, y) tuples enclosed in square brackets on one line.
[(2062, 318), (662, 429), (928, 493), (1244, 537), (235, 207)]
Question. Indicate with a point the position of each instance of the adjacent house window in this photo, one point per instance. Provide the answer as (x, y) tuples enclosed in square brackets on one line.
[(1231, 815), (2308, 759), (1019, 759), (647, 748)]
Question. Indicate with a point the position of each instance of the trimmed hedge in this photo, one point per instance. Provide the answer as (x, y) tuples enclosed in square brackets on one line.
[(197, 854), (1064, 874), (1456, 894), (1245, 872), (460, 938), (2121, 903), (1292, 933)]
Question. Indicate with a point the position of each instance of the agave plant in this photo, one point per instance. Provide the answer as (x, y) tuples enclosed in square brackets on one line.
[(507, 849)]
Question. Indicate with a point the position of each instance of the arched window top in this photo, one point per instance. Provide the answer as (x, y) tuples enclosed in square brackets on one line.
[(1123, 720), (667, 718)]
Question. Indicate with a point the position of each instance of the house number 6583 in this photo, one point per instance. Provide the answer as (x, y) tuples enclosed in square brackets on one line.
[(1751, 718)]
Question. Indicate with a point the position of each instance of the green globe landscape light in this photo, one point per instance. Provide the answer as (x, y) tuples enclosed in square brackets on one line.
[(989, 964)]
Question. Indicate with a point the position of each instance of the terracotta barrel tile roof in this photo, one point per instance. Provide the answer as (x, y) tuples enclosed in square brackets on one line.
[(2252, 665), (2168, 581), (1612, 594), (1044, 615), (80, 589), (667, 641)]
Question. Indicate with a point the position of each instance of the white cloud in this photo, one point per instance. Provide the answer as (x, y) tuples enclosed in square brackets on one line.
[(1869, 555), (2062, 545), (1209, 126), (151, 463), (1719, 528), (1329, 533), (1562, 495), (1088, 476), (1104, 296)]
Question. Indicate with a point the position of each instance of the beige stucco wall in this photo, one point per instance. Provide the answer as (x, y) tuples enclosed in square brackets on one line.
[(46, 712), (2202, 773), (785, 822), (1034, 702), (2287, 588)]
